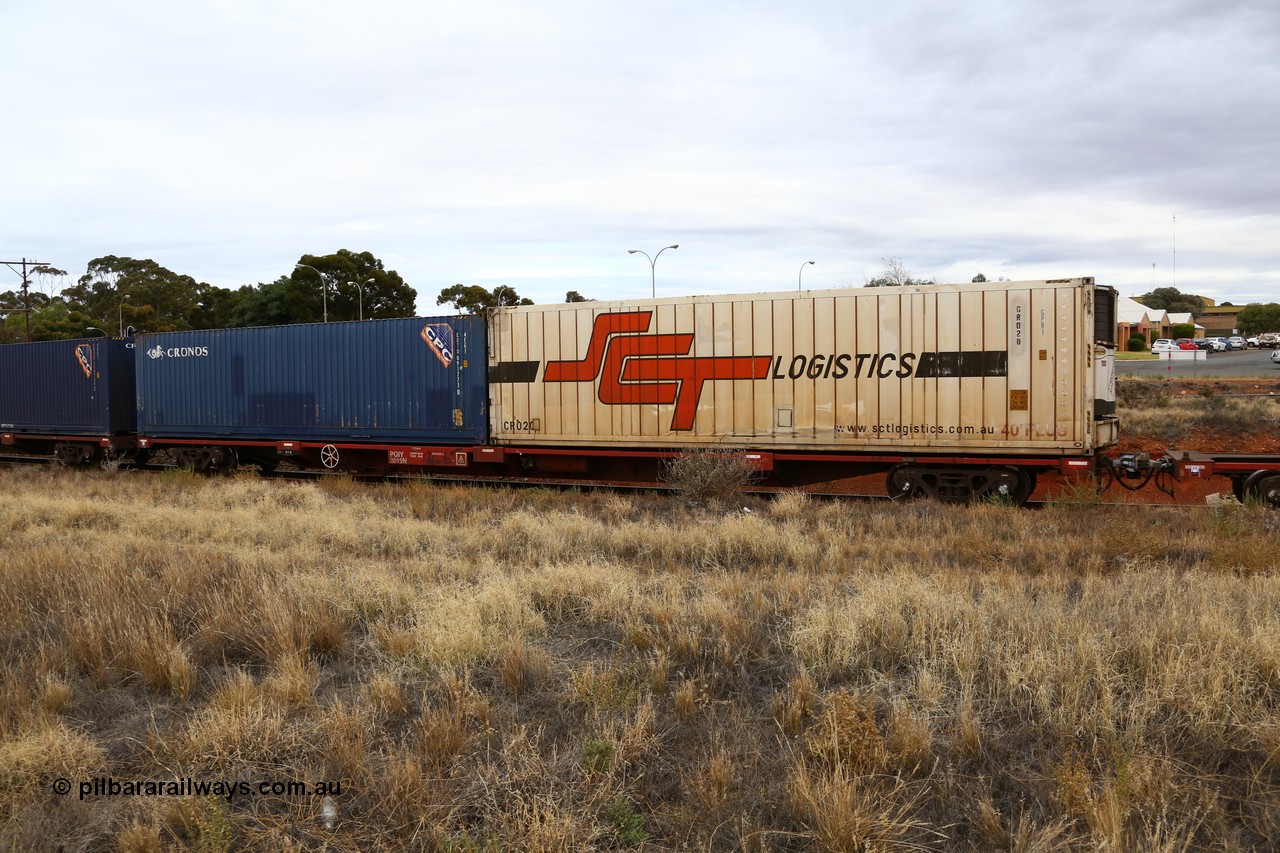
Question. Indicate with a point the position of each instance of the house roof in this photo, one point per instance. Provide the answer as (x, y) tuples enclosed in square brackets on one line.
[(1134, 312)]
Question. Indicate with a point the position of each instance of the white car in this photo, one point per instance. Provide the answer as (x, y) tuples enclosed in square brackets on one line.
[(1215, 344), (1238, 342), (1275, 356), (1164, 345)]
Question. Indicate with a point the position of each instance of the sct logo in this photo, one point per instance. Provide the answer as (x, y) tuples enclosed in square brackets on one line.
[(635, 368)]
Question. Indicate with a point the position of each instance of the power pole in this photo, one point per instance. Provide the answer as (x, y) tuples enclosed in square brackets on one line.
[(26, 285)]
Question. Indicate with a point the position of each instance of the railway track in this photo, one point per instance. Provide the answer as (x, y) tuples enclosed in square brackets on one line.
[(285, 473)]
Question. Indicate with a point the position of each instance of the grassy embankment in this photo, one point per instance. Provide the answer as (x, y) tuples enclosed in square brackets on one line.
[(525, 670), (1227, 414)]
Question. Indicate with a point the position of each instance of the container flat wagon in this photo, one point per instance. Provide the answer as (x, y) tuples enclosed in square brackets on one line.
[(952, 389), (359, 396), (70, 399)]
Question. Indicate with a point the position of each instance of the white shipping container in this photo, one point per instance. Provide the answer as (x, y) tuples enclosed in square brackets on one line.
[(1008, 367)]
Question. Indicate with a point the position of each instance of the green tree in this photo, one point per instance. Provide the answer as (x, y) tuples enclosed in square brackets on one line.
[(54, 320), (11, 300), (979, 278), (277, 303), (1182, 330), (117, 292), (1173, 300), (355, 284), (1257, 317), (575, 296), (217, 306), (474, 299)]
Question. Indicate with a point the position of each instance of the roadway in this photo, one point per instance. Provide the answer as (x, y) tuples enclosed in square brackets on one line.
[(1235, 364)]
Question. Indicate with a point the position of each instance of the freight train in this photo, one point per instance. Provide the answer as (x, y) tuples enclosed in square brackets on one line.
[(955, 391)]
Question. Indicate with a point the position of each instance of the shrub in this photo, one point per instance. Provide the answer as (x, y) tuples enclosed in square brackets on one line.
[(627, 821), (1137, 343), (710, 476)]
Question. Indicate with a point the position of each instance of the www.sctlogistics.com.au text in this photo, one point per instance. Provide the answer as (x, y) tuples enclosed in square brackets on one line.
[(227, 789)]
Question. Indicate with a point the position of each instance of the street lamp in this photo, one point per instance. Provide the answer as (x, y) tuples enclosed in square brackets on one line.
[(324, 288), (120, 315), (96, 329), (653, 262), (497, 293), (361, 285), (801, 274)]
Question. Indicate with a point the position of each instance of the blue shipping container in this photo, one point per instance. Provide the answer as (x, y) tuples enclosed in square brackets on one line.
[(72, 388), (418, 380)]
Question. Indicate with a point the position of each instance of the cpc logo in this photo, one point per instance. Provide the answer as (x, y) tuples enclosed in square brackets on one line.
[(656, 369)]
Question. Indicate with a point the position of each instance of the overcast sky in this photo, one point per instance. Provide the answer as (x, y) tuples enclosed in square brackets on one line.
[(533, 144)]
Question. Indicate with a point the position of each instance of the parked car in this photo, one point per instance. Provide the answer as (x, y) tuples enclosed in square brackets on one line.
[(1163, 345), (1275, 356), (1215, 344), (1269, 340), (1253, 341), (1185, 343), (1238, 342)]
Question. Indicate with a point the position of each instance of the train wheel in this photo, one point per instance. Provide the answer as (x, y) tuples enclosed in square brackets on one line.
[(904, 482), (1004, 482), (1265, 488), (186, 459), (222, 460), (75, 455), (329, 457)]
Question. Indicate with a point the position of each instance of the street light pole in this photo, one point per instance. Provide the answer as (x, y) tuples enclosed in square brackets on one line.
[(324, 288), (360, 287), (801, 274), (653, 263), (120, 315)]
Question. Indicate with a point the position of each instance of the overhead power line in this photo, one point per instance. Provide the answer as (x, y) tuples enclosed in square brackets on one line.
[(26, 287)]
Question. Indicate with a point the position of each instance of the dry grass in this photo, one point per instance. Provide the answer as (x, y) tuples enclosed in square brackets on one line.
[(1163, 409), (492, 670)]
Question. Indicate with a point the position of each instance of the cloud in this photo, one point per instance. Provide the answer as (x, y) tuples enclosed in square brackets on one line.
[(502, 142)]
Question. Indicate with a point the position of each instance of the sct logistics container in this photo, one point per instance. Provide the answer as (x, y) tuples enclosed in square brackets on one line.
[(341, 392), (73, 397), (1013, 368)]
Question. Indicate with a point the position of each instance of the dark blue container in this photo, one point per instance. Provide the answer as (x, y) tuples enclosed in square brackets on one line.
[(68, 388), (417, 380)]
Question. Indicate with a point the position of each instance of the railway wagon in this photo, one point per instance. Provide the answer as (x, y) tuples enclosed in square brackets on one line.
[(71, 399), (352, 395), (954, 389)]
